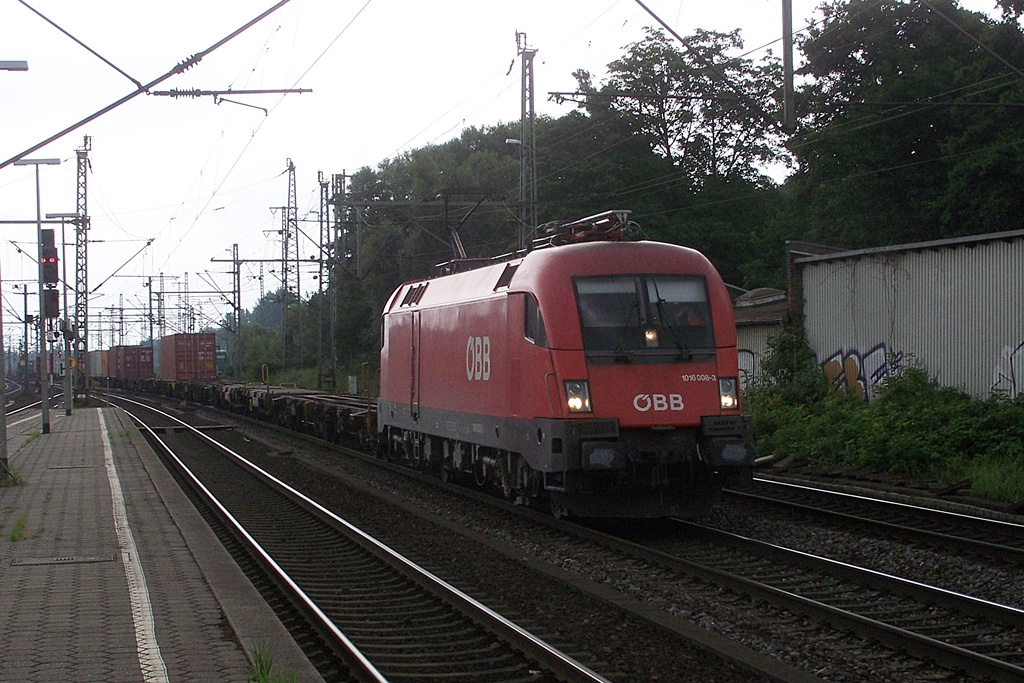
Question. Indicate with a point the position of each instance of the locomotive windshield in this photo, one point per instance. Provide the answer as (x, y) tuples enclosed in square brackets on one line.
[(644, 318)]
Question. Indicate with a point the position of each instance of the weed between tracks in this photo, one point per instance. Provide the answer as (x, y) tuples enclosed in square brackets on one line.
[(261, 668), (18, 532)]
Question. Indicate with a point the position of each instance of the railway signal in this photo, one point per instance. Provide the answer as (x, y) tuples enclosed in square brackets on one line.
[(49, 261), (48, 264), (48, 257), (51, 303)]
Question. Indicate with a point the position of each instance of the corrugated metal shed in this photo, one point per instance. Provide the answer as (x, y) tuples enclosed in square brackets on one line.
[(955, 306), (760, 315)]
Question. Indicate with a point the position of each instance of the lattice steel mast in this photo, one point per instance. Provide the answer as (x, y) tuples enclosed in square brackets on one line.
[(289, 255), (527, 148), (81, 340), (325, 367)]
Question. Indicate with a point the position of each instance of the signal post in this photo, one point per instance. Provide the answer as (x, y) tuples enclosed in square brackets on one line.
[(49, 299), (43, 388)]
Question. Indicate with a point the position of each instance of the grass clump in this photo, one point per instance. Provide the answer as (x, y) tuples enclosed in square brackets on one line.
[(261, 668), (914, 427), (9, 477), (18, 530)]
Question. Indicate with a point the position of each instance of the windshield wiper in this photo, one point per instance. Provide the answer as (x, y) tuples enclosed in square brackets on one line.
[(666, 324)]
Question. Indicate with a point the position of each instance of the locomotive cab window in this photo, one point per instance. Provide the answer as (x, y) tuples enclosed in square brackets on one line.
[(644, 318), (533, 323)]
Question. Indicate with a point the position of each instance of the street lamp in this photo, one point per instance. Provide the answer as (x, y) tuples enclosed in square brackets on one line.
[(44, 360)]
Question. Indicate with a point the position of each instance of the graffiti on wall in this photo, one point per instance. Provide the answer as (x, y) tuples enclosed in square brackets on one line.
[(1008, 373), (861, 372)]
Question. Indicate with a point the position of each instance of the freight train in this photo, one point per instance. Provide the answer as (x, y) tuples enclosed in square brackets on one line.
[(594, 374), (174, 357)]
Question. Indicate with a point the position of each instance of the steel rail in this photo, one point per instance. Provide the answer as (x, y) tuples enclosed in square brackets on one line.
[(1015, 527), (944, 653), (557, 662), (967, 531), (922, 646), (369, 671)]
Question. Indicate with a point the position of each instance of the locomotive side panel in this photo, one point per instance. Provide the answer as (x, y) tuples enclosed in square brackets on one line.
[(446, 370), (532, 389), (396, 369), (464, 357)]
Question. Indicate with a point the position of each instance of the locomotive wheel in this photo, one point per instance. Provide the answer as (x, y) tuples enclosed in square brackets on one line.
[(526, 485)]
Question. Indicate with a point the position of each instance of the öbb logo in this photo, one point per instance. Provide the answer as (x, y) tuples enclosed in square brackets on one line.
[(657, 402), (478, 358)]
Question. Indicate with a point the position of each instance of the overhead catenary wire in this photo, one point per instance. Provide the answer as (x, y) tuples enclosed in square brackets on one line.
[(93, 52), (180, 68), (252, 137)]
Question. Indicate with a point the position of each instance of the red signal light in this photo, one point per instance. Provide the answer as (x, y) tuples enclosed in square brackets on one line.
[(48, 264)]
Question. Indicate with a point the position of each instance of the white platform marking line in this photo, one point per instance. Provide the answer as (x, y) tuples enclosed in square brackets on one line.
[(24, 419), (153, 668)]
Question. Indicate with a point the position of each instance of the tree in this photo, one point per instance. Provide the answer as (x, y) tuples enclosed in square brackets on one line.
[(906, 134), (692, 114), (596, 160)]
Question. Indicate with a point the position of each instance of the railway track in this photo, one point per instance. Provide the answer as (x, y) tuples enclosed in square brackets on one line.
[(383, 616), (997, 537), (957, 631)]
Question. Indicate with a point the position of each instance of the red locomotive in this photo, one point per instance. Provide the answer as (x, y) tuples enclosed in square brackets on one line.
[(598, 375)]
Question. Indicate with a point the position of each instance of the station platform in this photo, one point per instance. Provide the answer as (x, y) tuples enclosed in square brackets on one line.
[(108, 573)]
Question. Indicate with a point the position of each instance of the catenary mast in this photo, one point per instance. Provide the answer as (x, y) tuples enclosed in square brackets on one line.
[(81, 328)]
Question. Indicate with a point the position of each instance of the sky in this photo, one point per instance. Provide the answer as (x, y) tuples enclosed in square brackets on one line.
[(193, 176)]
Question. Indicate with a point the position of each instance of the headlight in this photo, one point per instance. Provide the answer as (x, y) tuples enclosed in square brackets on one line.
[(577, 396), (728, 393)]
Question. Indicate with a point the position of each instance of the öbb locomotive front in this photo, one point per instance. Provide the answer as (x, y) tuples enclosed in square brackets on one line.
[(598, 376)]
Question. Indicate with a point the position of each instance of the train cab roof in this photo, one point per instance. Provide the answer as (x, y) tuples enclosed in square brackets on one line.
[(598, 245)]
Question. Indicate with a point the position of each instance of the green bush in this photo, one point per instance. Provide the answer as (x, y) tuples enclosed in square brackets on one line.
[(914, 427)]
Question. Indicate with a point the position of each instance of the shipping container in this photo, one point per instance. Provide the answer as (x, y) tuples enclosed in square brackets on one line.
[(117, 361), (156, 358), (131, 362), (97, 363), (188, 357), (138, 362)]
